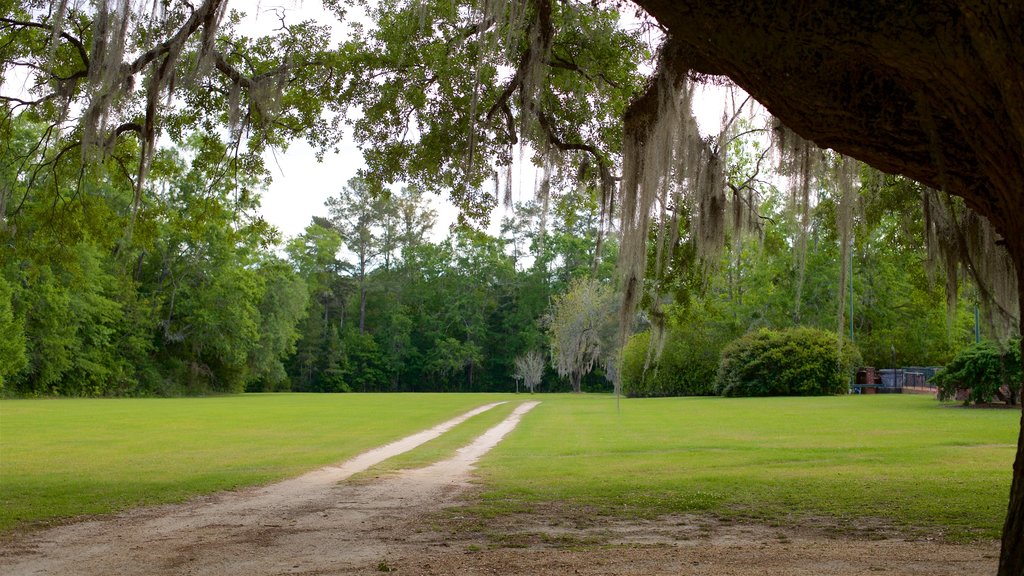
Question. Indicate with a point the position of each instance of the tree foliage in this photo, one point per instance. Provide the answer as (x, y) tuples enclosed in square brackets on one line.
[(448, 91), (12, 346), (986, 371), (581, 327)]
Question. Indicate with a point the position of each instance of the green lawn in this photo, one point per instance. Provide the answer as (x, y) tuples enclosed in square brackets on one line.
[(905, 459), (68, 457)]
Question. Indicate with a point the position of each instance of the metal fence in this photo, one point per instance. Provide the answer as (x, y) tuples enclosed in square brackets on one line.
[(894, 380)]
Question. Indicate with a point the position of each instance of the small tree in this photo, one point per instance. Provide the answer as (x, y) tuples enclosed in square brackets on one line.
[(529, 369), (987, 370), (581, 327)]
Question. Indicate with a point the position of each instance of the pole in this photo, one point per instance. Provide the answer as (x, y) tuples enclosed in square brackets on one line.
[(977, 326), (850, 273)]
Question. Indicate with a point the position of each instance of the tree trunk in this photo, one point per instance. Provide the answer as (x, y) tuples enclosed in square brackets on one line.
[(575, 379), (1011, 556), (362, 308)]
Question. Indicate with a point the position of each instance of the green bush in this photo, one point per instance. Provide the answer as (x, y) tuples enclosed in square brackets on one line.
[(791, 362), (686, 367), (983, 368)]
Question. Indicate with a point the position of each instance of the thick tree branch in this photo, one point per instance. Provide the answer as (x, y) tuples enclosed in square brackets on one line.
[(554, 139), (199, 18), (74, 41), (20, 102), (564, 64)]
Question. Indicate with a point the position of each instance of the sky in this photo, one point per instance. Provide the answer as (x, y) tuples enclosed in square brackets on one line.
[(301, 184)]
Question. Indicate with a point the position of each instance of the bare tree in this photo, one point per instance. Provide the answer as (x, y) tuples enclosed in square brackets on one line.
[(529, 369), (581, 327)]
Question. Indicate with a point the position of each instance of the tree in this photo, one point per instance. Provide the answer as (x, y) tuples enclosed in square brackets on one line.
[(581, 329), (12, 346), (359, 214), (986, 370), (318, 361), (439, 108), (529, 369), (283, 305), (966, 49), (118, 65)]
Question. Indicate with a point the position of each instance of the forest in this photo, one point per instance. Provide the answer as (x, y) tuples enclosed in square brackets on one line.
[(135, 260)]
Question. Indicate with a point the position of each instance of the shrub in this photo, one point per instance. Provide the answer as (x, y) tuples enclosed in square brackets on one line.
[(987, 370), (791, 362), (686, 367)]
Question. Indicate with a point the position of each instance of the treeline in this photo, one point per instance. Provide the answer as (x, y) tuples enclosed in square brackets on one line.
[(194, 294), (179, 293), (186, 291), (389, 310)]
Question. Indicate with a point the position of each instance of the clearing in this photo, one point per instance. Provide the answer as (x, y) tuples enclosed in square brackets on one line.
[(417, 522)]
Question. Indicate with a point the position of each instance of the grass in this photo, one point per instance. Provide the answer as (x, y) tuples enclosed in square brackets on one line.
[(906, 460), (65, 458)]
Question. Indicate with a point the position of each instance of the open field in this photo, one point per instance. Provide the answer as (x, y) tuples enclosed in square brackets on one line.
[(903, 461), (64, 458)]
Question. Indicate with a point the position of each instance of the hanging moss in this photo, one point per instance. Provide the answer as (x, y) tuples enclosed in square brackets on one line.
[(664, 160), (960, 240), (846, 173)]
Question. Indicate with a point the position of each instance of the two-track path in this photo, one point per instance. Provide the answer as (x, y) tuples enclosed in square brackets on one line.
[(313, 524)]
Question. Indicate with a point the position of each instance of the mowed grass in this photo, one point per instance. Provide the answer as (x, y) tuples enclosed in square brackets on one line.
[(65, 458), (905, 460)]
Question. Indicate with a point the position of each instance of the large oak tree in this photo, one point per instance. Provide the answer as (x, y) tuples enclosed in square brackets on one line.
[(932, 90)]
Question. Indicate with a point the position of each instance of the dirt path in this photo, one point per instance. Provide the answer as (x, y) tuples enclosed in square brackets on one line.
[(315, 525), (307, 522)]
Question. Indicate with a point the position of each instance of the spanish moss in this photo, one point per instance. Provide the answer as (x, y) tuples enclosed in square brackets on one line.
[(798, 160), (847, 173), (961, 240)]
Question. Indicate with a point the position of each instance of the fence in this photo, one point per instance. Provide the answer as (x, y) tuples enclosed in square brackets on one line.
[(895, 380)]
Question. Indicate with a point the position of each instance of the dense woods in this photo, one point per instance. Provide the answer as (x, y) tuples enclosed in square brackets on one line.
[(205, 297), (138, 265)]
